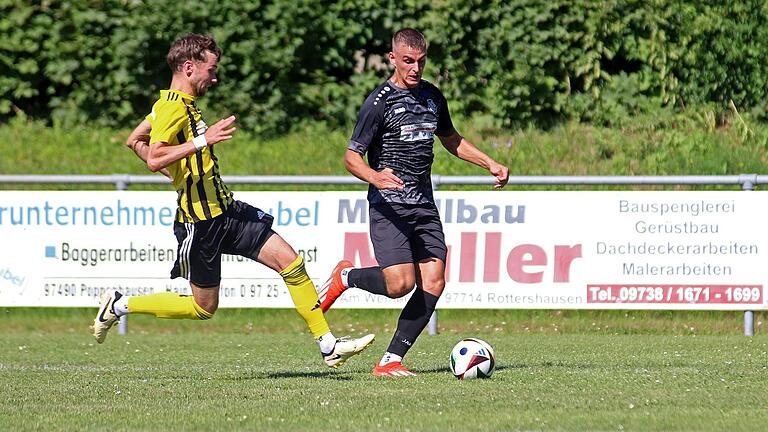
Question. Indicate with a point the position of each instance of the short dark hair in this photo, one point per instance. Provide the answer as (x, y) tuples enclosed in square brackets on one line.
[(191, 47), (411, 38)]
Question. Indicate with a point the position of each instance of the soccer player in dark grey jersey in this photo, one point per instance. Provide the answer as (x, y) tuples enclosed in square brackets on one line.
[(396, 128)]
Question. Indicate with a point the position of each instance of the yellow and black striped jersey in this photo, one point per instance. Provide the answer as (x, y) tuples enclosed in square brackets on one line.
[(202, 195)]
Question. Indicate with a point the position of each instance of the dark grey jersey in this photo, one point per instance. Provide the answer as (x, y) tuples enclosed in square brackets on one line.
[(396, 127)]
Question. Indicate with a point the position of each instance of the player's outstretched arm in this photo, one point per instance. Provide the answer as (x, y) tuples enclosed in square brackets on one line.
[(161, 154), (138, 141), (463, 149), (384, 179)]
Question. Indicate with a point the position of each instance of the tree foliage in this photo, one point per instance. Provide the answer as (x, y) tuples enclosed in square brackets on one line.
[(519, 62)]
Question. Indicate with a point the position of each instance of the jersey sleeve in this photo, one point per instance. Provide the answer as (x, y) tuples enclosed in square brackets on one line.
[(444, 122), (167, 122), (369, 124)]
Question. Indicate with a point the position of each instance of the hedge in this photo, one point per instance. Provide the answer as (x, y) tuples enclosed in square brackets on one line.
[(517, 63)]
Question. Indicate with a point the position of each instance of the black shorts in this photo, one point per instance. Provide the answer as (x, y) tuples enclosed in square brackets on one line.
[(241, 230), (406, 233)]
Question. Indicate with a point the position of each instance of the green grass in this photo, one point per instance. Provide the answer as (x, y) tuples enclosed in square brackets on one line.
[(668, 145), (259, 370)]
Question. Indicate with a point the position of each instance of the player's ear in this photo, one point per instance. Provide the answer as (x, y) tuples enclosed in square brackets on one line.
[(392, 59), (188, 67)]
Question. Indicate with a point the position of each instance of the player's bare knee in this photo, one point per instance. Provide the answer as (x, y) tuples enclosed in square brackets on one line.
[(400, 288), (435, 286), (400, 279)]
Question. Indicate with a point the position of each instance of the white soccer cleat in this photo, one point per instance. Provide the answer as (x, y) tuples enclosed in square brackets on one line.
[(106, 317), (346, 348)]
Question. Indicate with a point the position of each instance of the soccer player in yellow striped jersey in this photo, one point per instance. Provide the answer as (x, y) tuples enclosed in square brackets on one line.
[(176, 119), (175, 139)]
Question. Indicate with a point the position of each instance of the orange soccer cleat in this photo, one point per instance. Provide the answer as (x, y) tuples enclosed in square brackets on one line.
[(392, 369), (333, 287)]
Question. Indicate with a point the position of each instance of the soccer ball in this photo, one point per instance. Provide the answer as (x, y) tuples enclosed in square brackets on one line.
[(472, 358)]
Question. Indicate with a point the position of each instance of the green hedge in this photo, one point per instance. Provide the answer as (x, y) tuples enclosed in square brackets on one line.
[(514, 63)]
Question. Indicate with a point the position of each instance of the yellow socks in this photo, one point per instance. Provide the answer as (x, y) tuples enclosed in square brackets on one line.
[(168, 305), (304, 297), (303, 293)]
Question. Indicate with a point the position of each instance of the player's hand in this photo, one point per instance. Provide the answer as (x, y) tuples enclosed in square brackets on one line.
[(501, 173), (386, 179), (222, 130)]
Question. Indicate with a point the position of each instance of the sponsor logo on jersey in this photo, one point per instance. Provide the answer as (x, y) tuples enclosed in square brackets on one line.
[(417, 131), (432, 106)]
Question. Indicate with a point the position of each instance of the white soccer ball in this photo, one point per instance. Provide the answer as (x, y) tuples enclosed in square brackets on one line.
[(472, 358)]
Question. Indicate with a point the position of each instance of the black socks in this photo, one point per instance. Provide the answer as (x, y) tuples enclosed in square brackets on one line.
[(370, 279), (413, 319)]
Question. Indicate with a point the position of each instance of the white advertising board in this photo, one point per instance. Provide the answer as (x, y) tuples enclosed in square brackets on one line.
[(507, 249)]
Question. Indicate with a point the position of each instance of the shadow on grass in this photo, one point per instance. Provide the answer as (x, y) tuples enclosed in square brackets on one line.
[(338, 376), (446, 370), (341, 376)]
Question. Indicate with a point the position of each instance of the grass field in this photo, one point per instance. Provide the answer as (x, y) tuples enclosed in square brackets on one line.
[(258, 370), (652, 145)]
